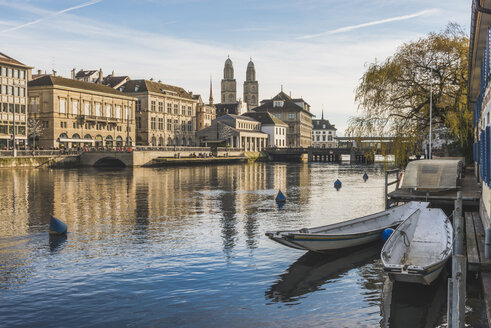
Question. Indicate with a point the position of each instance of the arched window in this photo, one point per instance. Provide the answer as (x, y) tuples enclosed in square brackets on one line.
[(231, 98), (109, 141), (190, 142), (183, 142), (161, 141), (119, 141), (153, 141), (169, 142), (253, 99)]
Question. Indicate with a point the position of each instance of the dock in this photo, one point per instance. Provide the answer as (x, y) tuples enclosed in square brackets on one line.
[(471, 194)]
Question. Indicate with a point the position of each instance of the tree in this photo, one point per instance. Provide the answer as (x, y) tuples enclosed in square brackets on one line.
[(394, 96), (34, 129)]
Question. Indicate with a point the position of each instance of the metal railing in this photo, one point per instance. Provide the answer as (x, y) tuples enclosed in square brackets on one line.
[(387, 184)]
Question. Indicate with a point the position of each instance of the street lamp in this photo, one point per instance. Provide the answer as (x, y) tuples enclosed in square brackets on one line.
[(431, 111)]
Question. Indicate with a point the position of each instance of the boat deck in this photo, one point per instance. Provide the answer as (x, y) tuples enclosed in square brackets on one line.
[(471, 193)]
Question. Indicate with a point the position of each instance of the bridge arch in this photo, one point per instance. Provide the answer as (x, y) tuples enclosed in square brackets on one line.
[(109, 161)]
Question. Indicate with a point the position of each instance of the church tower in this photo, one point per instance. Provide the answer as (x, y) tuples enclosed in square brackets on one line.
[(229, 86), (251, 87)]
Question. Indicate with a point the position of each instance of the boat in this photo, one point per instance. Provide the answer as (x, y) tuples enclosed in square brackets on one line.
[(57, 227), (419, 248), (346, 234), (280, 197)]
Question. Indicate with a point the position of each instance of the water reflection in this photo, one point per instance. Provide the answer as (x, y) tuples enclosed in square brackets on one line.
[(412, 305), (313, 270), (57, 242)]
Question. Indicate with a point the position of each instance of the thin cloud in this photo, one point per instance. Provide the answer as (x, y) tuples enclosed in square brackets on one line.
[(378, 22), (57, 13)]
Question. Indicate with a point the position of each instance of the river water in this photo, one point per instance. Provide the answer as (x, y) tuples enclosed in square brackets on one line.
[(185, 247)]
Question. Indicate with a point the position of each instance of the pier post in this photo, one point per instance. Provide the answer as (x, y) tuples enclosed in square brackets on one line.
[(457, 284)]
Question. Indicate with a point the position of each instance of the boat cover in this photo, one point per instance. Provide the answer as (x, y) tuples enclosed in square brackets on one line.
[(432, 174)]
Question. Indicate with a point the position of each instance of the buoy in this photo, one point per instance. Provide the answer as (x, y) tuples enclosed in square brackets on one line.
[(337, 184), (365, 176), (386, 234), (280, 197), (57, 227)]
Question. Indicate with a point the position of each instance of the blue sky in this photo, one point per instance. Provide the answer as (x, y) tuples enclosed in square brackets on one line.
[(317, 49)]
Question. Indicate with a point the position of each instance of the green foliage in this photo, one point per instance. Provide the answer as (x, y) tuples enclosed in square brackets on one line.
[(394, 96)]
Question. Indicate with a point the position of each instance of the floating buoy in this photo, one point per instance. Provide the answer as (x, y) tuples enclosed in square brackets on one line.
[(365, 176), (280, 197), (337, 184), (57, 227), (386, 234)]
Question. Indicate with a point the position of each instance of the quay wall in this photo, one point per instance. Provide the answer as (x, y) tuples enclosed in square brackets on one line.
[(39, 161)]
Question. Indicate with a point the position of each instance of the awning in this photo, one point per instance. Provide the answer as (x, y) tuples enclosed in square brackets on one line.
[(76, 140), (16, 137)]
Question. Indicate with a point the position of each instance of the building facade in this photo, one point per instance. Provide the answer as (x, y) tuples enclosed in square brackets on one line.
[(75, 113), (272, 126), (234, 131), (165, 114), (13, 101), (205, 113), (251, 87), (323, 134), (295, 113)]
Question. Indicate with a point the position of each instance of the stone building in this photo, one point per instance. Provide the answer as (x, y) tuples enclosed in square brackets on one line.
[(271, 125), (229, 85), (251, 87), (13, 101), (205, 113), (165, 114), (295, 112), (76, 113), (234, 131), (323, 134)]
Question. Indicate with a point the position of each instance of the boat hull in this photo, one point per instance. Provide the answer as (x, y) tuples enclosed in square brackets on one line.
[(424, 278), (326, 243), (280, 238)]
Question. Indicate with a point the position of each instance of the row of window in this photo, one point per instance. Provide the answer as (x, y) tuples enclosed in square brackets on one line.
[(317, 138), (87, 110), (280, 131), (279, 142), (9, 108), (291, 116), (319, 132), (11, 90), (177, 126), (12, 72), (247, 126), (185, 110), (9, 129), (87, 126)]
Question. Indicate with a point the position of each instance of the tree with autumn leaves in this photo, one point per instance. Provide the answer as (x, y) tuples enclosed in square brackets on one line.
[(394, 96)]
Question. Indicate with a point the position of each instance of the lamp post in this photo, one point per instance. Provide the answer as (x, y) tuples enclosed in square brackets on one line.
[(431, 110), (14, 149)]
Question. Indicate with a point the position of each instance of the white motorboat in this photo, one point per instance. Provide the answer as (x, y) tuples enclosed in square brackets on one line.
[(346, 234), (419, 248)]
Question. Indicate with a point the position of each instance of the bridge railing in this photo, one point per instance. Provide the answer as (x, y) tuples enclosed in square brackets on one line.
[(31, 153)]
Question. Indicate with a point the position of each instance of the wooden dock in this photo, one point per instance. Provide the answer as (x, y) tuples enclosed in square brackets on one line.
[(475, 243), (471, 193)]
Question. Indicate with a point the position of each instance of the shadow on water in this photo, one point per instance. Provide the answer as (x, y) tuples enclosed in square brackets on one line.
[(312, 270), (413, 305), (57, 242)]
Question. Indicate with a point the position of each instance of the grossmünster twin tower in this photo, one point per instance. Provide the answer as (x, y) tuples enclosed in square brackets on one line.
[(229, 85)]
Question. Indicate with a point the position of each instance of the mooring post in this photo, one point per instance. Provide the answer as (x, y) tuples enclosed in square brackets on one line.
[(457, 285), (386, 190)]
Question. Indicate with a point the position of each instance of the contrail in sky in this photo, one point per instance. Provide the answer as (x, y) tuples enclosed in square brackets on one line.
[(57, 13), (378, 22)]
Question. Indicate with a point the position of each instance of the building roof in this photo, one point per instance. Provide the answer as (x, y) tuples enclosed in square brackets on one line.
[(235, 117), (85, 73), (133, 86), (288, 105), (50, 80), (114, 81), (265, 118), (318, 125), (4, 59)]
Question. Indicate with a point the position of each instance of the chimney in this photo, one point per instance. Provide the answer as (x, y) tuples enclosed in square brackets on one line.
[(54, 73), (40, 72), (151, 79), (100, 76), (73, 73), (112, 73), (160, 81)]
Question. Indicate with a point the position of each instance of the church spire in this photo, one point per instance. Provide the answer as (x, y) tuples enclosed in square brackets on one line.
[(322, 114), (210, 100)]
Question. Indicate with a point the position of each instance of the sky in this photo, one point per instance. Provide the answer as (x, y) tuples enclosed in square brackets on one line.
[(315, 49)]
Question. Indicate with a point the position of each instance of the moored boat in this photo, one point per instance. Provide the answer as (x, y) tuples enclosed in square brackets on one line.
[(419, 248), (346, 234)]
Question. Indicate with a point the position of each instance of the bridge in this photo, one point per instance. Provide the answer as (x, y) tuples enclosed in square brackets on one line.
[(313, 154)]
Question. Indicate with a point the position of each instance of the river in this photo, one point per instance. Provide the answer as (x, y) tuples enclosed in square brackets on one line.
[(185, 247)]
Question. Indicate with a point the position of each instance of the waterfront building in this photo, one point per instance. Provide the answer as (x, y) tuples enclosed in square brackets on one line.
[(165, 114), (251, 87), (237, 108), (234, 131), (295, 112), (479, 100), (272, 126), (75, 113), (13, 101), (205, 113), (323, 133)]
